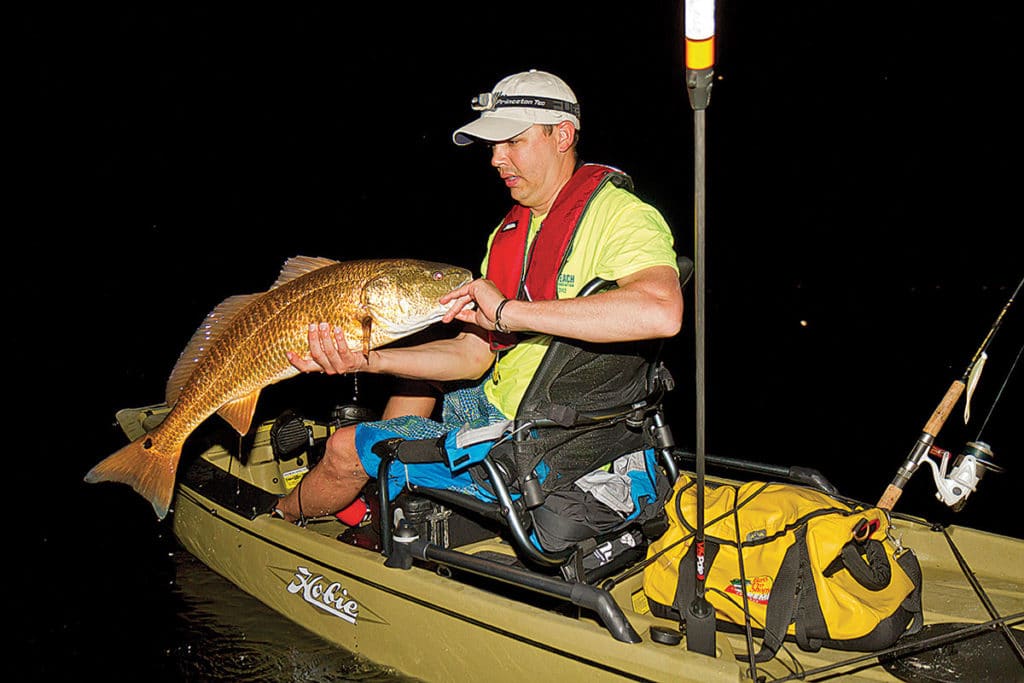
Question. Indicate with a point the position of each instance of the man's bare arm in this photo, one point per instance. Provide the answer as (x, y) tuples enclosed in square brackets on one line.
[(646, 305), (465, 356)]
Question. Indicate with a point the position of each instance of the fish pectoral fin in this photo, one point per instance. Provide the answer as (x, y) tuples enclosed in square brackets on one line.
[(239, 412)]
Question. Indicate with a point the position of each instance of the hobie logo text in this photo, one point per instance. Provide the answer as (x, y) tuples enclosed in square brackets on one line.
[(330, 597)]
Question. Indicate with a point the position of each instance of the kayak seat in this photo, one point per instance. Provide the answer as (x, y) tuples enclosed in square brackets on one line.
[(579, 479)]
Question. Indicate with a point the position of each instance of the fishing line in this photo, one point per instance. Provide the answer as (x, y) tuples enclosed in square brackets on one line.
[(999, 394)]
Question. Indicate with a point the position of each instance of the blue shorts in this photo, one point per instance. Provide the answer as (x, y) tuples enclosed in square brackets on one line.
[(460, 407)]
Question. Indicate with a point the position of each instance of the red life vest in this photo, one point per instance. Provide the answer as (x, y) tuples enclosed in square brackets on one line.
[(534, 276)]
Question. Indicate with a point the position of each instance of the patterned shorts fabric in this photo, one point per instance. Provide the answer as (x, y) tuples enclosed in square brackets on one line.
[(460, 407)]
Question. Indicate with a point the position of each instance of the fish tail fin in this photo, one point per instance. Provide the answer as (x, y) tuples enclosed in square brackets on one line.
[(145, 468)]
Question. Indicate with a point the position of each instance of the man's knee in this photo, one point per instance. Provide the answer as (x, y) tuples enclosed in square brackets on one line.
[(341, 455)]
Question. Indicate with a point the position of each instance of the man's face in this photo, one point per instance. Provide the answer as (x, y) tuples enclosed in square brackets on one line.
[(531, 166)]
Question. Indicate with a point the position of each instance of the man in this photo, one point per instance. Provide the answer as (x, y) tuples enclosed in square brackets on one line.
[(596, 228)]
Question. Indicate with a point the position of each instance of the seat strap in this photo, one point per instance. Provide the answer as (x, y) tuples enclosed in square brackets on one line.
[(412, 452)]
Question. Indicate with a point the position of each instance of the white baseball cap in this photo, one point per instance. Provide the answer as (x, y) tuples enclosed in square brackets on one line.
[(516, 103)]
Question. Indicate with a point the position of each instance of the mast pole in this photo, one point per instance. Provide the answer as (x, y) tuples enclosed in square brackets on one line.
[(699, 23)]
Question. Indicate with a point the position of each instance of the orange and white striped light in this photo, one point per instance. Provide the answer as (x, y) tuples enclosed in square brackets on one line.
[(699, 23)]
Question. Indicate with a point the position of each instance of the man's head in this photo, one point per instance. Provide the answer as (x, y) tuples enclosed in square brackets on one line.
[(518, 102), (529, 121)]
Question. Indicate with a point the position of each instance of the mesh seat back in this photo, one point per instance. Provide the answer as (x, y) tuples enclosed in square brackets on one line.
[(578, 377)]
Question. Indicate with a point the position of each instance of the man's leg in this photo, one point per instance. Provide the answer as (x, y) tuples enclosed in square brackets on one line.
[(330, 486)]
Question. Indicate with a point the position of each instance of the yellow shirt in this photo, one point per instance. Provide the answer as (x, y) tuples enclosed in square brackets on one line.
[(618, 236)]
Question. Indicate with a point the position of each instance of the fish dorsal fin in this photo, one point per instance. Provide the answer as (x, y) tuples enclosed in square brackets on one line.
[(220, 318), (239, 412), (202, 339), (297, 266)]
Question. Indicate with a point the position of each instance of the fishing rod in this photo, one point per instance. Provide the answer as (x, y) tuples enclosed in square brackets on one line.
[(975, 459), (699, 23)]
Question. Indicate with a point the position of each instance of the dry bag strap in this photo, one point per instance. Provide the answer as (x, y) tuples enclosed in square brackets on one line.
[(866, 562), (912, 603), (864, 558), (783, 600)]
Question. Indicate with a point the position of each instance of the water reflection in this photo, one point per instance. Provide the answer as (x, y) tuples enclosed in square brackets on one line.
[(223, 633)]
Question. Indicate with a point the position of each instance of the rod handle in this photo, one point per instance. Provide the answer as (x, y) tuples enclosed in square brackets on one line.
[(894, 490), (889, 498), (945, 407)]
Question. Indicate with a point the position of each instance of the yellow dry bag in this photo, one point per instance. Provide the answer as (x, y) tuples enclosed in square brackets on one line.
[(803, 564)]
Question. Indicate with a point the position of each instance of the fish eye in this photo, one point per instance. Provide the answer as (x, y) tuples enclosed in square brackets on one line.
[(438, 275)]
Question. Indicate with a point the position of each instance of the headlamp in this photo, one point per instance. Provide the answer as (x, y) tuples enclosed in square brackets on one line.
[(483, 102)]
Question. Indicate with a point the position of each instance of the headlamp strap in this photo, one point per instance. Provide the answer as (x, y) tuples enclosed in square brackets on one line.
[(490, 101)]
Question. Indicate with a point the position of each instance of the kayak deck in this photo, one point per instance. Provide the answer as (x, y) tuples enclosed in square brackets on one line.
[(437, 622)]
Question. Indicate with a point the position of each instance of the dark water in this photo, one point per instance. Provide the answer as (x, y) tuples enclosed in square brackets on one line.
[(860, 223), (134, 606)]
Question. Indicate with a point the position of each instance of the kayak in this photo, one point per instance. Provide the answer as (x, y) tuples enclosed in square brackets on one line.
[(467, 608)]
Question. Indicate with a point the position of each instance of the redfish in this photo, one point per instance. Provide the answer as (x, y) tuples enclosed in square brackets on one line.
[(241, 348)]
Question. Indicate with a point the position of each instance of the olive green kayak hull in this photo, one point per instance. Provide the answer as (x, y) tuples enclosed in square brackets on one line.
[(435, 624)]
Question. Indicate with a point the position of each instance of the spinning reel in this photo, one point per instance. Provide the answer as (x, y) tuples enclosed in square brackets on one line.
[(968, 469)]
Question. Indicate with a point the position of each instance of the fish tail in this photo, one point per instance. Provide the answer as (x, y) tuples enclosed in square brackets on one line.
[(145, 468)]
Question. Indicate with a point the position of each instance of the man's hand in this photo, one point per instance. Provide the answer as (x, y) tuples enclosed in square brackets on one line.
[(473, 303), (329, 353)]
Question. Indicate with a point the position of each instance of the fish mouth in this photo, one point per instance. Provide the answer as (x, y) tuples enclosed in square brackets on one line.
[(408, 327), (444, 308), (414, 324)]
